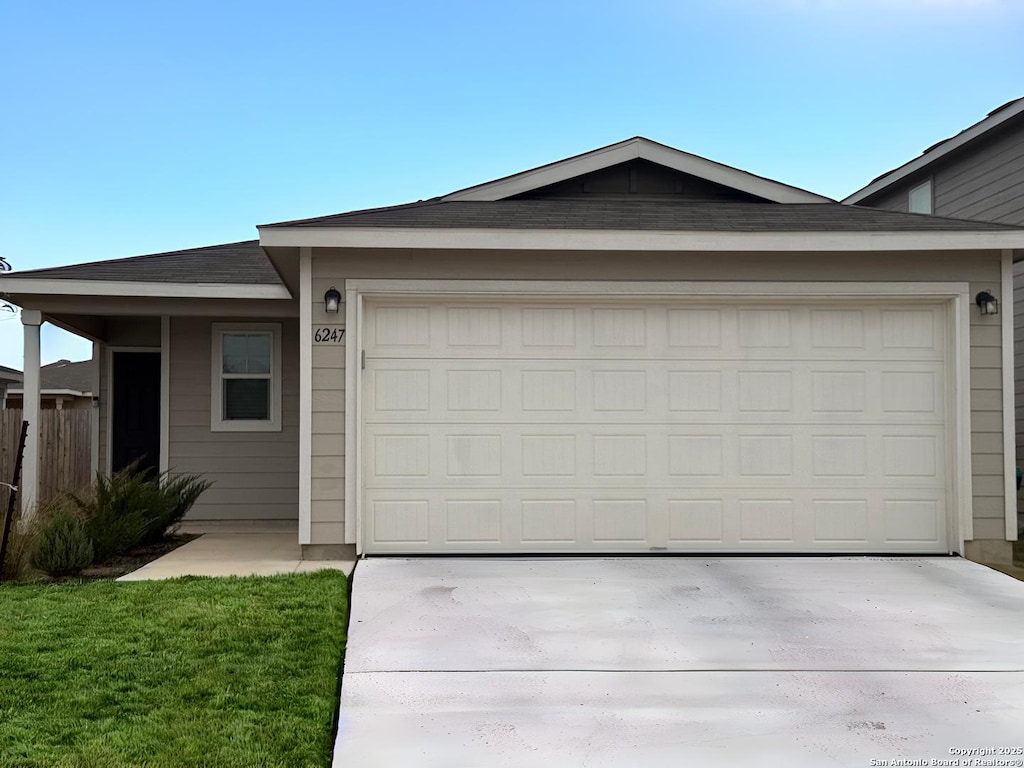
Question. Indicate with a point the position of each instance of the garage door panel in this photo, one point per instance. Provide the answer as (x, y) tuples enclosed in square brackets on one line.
[(586, 426), (663, 456), (644, 331), (762, 520), (496, 391)]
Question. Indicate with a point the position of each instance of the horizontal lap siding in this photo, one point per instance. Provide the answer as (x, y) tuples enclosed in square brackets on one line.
[(983, 182), (331, 267), (986, 183), (255, 474), (327, 467), (987, 420)]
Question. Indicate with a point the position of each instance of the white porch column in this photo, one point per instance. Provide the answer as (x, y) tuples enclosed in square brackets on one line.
[(94, 419), (28, 492)]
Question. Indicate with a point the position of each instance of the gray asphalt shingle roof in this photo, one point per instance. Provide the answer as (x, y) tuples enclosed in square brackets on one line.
[(246, 263), (672, 216), (243, 263), (9, 375), (63, 374)]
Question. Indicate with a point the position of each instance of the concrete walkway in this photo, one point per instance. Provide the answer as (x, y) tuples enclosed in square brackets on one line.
[(235, 554), (680, 661)]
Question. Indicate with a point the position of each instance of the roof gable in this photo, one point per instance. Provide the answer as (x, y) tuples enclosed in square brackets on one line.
[(997, 118), (637, 148), (639, 180)]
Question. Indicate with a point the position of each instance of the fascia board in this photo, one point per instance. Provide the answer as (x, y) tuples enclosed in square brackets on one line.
[(632, 149), (51, 392), (728, 176), (922, 162), (68, 287), (536, 178), (619, 240)]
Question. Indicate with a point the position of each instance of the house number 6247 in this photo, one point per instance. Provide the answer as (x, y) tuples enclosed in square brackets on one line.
[(328, 335)]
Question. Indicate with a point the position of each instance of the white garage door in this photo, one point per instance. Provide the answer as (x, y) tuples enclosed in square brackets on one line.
[(678, 426)]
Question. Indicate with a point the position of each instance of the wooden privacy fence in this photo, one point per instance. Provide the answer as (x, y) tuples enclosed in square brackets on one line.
[(64, 448)]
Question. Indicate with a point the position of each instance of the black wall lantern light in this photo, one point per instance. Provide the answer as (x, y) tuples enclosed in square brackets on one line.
[(987, 303), (332, 300)]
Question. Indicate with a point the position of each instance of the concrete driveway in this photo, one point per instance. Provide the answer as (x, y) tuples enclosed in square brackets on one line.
[(681, 661)]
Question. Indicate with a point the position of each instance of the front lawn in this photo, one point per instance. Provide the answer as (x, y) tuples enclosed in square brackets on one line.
[(186, 672)]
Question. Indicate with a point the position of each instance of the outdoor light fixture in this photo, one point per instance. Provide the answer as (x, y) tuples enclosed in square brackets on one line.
[(332, 300), (987, 303)]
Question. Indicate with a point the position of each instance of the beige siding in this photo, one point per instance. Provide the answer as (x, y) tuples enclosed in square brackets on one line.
[(327, 468), (255, 474), (334, 266)]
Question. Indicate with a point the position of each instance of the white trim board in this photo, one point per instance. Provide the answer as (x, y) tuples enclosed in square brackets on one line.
[(633, 149), (640, 289), (1009, 407), (305, 396), (55, 286), (94, 417), (938, 152), (352, 359), (957, 294), (165, 392), (633, 240)]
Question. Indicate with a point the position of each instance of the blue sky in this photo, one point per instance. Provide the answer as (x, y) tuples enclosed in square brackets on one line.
[(133, 128)]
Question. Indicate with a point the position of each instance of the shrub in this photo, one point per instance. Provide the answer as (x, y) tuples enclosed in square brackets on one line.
[(116, 512), (24, 534), (19, 548), (62, 547), (129, 508), (180, 494)]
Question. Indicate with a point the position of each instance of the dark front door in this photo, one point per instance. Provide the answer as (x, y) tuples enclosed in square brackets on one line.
[(135, 432)]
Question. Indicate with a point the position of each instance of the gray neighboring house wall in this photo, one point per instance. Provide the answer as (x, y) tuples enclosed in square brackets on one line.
[(976, 174), (9, 377)]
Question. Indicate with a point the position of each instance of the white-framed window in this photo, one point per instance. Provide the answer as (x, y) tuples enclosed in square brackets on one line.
[(919, 198), (245, 386)]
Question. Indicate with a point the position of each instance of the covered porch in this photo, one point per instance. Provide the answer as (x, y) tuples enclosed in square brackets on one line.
[(174, 337)]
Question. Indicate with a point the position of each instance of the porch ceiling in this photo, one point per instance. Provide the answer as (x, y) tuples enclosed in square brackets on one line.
[(89, 316)]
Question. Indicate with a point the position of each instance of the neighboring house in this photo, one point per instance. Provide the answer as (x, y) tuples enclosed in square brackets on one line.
[(976, 174), (9, 377), (63, 385), (630, 350)]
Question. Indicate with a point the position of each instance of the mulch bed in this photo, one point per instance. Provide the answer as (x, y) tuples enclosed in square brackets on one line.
[(134, 559)]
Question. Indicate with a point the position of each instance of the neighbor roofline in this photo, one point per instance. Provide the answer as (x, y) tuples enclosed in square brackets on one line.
[(937, 152), (59, 286), (633, 149), (55, 392), (639, 240)]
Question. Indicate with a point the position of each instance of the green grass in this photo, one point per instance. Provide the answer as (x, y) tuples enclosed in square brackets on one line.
[(186, 672)]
